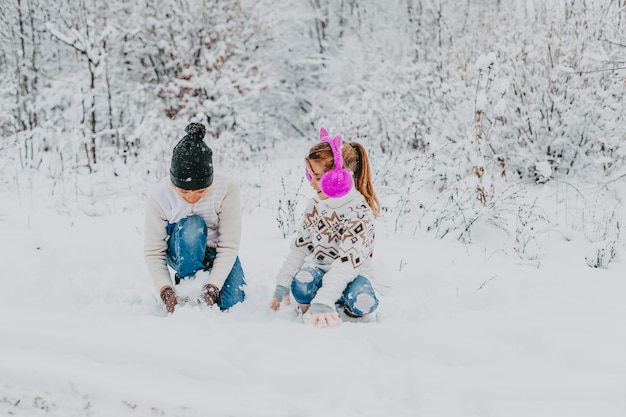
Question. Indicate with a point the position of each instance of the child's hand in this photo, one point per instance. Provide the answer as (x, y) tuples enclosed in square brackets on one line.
[(323, 319), (168, 296), (321, 315), (275, 304), (281, 294), (209, 294)]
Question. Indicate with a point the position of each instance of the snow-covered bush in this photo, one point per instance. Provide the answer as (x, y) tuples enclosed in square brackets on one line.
[(456, 103)]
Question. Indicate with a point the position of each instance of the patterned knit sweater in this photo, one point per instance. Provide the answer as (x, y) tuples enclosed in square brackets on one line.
[(221, 211), (337, 236)]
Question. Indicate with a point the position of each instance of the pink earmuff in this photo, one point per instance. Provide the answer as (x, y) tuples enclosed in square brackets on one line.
[(338, 181)]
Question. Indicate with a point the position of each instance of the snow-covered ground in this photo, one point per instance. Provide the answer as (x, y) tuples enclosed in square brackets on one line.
[(462, 330)]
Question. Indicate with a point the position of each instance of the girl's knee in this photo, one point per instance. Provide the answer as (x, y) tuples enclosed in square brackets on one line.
[(304, 276), (303, 286), (362, 304), (360, 297)]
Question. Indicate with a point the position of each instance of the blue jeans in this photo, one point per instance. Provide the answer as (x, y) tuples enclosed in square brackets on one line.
[(358, 298), (187, 253)]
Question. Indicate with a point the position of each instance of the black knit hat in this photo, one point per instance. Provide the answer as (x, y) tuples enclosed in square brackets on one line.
[(192, 160)]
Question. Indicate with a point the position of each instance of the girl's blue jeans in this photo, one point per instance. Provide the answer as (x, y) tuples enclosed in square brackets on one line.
[(187, 253), (358, 298)]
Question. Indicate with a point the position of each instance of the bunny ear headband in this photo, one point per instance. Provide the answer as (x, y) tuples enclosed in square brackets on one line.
[(338, 181)]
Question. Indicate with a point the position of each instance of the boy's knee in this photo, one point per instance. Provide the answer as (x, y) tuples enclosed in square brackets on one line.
[(193, 221), (191, 228)]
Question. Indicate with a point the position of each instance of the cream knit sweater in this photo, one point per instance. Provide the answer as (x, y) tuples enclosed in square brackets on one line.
[(337, 236), (220, 209)]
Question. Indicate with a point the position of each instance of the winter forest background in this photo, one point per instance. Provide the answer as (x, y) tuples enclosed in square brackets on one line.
[(464, 106), (478, 99)]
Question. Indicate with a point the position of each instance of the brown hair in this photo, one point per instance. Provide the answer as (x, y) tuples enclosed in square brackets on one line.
[(354, 159)]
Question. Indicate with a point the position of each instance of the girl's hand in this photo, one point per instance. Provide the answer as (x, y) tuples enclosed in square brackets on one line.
[(275, 304), (281, 295), (323, 319), (321, 315)]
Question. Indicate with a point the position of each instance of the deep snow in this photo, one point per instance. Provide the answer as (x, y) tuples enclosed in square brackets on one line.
[(463, 330)]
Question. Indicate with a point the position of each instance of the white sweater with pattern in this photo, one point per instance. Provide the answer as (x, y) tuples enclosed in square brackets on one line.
[(221, 211), (337, 236)]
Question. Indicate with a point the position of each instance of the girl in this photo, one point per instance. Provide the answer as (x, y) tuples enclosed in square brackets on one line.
[(193, 225), (330, 261)]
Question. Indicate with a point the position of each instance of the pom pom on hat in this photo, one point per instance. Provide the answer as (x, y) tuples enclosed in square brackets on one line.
[(196, 131), (192, 160)]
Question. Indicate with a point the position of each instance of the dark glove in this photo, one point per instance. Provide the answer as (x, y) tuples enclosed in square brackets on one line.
[(168, 296), (210, 293)]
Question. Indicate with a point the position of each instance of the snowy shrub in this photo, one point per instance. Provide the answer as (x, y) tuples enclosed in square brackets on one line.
[(460, 106), (599, 254), (287, 215), (530, 223)]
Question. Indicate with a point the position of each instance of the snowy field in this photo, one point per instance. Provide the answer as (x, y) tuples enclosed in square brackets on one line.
[(462, 330)]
